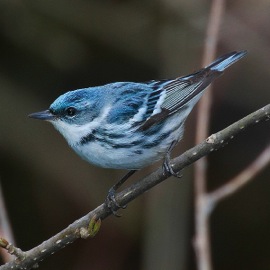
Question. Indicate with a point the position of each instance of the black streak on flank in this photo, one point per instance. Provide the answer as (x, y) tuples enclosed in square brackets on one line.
[(138, 152), (88, 138), (127, 145), (157, 141), (91, 137), (152, 144)]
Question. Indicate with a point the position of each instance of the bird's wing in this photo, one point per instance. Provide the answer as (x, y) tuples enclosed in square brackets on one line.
[(169, 96), (172, 95)]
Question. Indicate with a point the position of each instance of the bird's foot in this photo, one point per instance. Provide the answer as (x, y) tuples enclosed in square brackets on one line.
[(111, 202), (168, 169), (167, 166)]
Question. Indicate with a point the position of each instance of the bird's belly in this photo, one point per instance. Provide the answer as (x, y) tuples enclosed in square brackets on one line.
[(131, 151), (123, 158)]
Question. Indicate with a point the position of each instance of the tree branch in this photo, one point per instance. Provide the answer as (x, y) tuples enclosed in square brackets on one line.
[(77, 229), (240, 180)]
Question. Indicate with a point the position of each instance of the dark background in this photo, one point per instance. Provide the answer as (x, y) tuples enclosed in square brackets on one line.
[(50, 47)]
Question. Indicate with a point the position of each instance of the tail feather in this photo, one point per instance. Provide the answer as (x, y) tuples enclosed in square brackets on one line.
[(226, 60)]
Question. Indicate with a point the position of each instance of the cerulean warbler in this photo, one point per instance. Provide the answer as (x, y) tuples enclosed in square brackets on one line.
[(128, 125)]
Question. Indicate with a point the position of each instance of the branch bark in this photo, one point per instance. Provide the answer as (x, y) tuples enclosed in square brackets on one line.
[(77, 229)]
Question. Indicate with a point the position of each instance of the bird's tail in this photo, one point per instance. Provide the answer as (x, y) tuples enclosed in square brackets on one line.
[(226, 60)]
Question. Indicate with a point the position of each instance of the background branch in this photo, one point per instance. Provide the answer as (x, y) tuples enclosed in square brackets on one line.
[(77, 228), (202, 237), (240, 180), (5, 227), (204, 105)]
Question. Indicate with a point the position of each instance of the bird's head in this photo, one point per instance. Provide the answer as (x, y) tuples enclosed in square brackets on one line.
[(73, 113)]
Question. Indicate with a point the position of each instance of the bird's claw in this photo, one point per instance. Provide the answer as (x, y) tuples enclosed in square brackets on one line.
[(112, 204), (168, 169)]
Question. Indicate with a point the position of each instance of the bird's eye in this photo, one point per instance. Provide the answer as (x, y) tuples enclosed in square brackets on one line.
[(71, 111), (51, 111)]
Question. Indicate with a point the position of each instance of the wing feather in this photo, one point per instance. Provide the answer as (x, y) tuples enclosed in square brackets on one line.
[(170, 96)]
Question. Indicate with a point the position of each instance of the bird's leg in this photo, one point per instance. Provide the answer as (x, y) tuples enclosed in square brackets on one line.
[(110, 201), (167, 167)]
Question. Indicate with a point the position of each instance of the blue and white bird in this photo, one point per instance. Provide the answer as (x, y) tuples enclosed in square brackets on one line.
[(128, 125)]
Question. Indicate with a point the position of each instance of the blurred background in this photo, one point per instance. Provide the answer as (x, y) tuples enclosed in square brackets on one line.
[(50, 47)]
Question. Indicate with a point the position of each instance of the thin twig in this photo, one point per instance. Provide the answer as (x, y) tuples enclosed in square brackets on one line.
[(204, 105), (11, 249), (74, 231), (202, 238), (241, 179)]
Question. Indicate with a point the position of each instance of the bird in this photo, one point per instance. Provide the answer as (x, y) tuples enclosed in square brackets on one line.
[(131, 125)]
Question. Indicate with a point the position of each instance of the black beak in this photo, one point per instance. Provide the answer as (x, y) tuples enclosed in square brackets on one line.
[(45, 115)]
